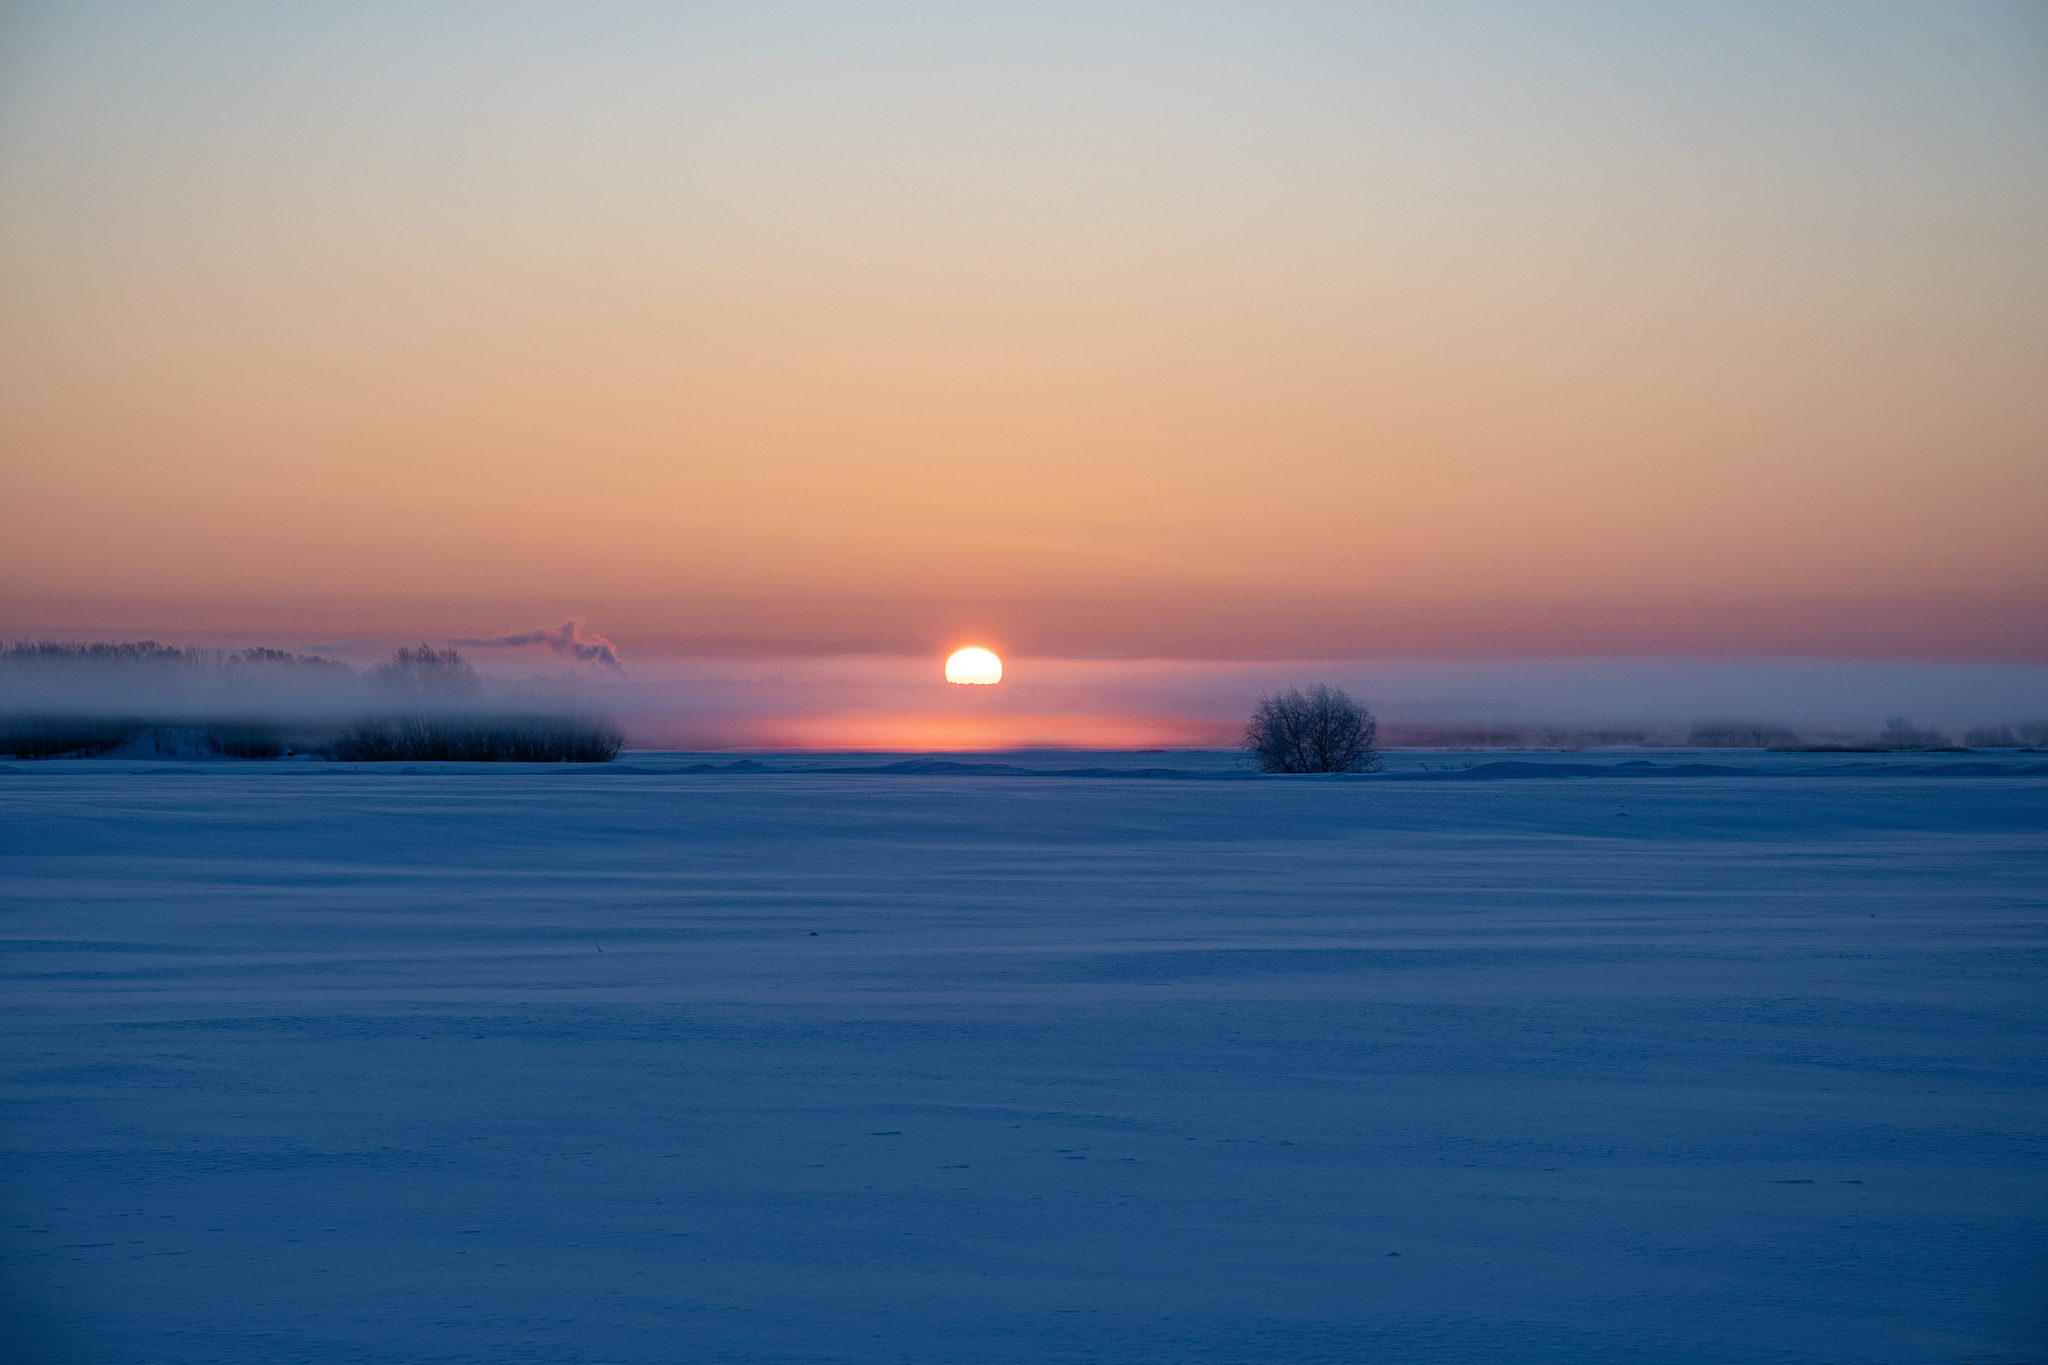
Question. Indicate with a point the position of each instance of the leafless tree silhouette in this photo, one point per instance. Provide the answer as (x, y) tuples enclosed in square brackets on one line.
[(423, 674), (1321, 730)]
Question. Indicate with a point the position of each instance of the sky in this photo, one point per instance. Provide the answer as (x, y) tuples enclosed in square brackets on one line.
[(1190, 332)]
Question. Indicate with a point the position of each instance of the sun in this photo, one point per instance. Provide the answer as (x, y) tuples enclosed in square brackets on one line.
[(974, 666)]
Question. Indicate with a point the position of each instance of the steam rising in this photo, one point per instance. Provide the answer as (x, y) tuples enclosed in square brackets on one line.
[(568, 638)]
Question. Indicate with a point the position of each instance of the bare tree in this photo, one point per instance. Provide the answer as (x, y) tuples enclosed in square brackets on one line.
[(1321, 730), (427, 676)]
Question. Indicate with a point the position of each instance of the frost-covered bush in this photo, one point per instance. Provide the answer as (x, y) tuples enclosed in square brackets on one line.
[(1321, 730)]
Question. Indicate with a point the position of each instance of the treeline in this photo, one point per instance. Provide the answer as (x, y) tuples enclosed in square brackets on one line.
[(63, 699), (94, 736), (471, 739)]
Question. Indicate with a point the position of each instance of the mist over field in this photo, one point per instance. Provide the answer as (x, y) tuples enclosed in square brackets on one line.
[(889, 702), (896, 702)]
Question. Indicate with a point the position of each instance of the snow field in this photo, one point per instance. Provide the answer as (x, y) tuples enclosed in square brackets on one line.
[(533, 1065)]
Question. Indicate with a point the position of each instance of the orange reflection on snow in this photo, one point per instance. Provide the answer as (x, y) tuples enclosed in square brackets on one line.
[(923, 731)]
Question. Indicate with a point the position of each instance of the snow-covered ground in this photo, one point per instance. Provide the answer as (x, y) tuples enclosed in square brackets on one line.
[(640, 1064)]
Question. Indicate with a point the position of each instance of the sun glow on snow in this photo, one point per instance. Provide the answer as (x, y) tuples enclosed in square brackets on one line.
[(974, 666)]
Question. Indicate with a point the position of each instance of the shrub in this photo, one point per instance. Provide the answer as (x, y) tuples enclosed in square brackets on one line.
[(1321, 730)]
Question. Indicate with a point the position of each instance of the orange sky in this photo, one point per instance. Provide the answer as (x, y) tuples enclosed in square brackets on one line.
[(1451, 330)]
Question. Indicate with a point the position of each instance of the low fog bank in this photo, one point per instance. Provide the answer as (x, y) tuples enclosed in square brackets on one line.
[(426, 701), (878, 702)]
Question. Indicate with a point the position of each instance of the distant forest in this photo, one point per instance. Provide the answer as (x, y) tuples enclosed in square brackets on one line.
[(64, 699)]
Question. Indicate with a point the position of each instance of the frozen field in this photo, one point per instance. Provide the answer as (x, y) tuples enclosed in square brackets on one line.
[(647, 1065)]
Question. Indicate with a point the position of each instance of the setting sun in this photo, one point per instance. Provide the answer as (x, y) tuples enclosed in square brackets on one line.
[(974, 666)]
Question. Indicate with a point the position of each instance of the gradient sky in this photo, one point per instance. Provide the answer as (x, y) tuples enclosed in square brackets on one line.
[(1087, 330)]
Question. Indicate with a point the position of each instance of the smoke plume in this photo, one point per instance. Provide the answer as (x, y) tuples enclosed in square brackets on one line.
[(568, 638)]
